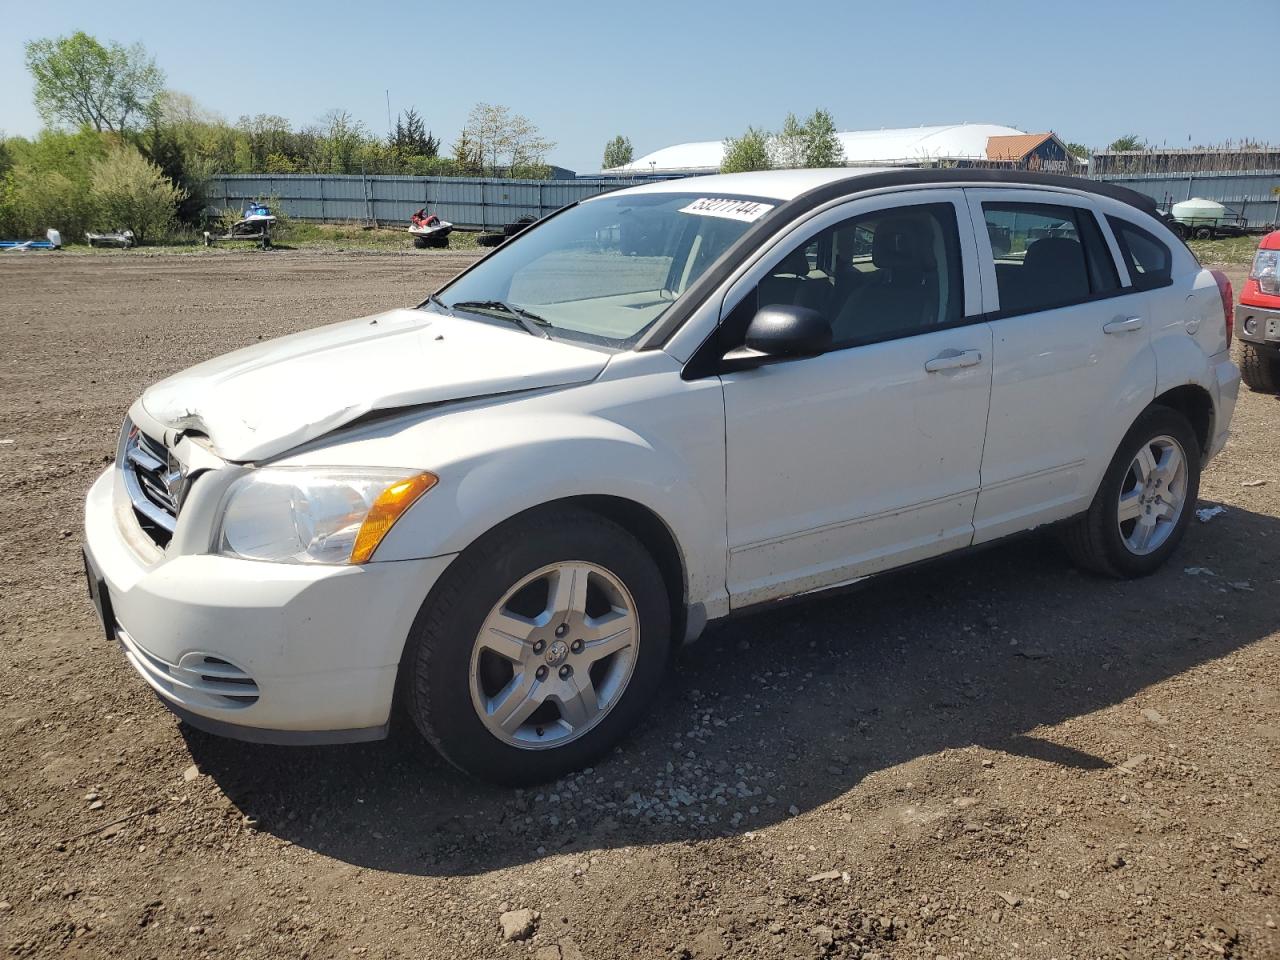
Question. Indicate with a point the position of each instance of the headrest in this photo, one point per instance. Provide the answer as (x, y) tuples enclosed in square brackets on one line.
[(902, 242), (1054, 255), (794, 262)]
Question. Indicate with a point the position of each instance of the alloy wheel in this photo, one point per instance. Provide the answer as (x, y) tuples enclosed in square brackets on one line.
[(1152, 496), (554, 655)]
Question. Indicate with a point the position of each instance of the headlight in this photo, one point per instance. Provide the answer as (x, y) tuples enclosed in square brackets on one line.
[(1266, 270), (309, 515)]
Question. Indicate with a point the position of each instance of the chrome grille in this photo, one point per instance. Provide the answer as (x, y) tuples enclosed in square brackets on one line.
[(155, 484)]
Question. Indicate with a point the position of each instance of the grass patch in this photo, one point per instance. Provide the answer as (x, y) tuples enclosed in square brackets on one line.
[(297, 235), (1230, 251)]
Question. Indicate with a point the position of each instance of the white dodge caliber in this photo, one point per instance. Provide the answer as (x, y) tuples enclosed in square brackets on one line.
[(499, 511)]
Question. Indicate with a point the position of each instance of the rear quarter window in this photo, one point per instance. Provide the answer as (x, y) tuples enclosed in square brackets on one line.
[(1149, 259)]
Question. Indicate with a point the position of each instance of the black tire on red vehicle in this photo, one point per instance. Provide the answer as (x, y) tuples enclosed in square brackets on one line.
[(1259, 367)]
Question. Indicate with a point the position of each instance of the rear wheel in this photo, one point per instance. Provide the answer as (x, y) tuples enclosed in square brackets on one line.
[(1144, 502), (1204, 233), (541, 646), (1259, 367), (420, 242)]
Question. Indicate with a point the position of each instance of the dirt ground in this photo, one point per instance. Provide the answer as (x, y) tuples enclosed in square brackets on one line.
[(992, 757)]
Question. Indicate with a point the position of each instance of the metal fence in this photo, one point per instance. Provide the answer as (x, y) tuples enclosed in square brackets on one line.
[(1254, 196), (468, 202), (490, 204)]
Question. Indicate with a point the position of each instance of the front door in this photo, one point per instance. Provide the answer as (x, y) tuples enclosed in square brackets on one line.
[(867, 456)]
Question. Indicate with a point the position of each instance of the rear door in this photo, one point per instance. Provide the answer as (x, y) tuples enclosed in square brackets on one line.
[(1072, 363)]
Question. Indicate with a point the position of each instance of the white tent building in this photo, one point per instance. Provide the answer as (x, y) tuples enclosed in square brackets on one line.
[(905, 147)]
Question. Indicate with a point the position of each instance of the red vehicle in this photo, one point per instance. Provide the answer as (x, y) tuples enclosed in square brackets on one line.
[(1258, 319)]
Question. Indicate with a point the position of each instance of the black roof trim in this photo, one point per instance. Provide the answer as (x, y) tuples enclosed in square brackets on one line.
[(789, 211)]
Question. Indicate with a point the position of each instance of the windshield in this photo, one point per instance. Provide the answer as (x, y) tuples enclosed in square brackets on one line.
[(608, 268)]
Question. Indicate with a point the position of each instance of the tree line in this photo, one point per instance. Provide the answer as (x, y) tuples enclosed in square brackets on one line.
[(108, 103)]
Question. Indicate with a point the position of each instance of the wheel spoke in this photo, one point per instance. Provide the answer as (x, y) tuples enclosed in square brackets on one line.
[(579, 706), (1144, 464), (607, 635), (1130, 505), (568, 592), (516, 701), (1143, 531), (507, 634), (1170, 464)]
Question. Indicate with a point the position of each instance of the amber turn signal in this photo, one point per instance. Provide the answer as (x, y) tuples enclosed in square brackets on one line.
[(386, 510)]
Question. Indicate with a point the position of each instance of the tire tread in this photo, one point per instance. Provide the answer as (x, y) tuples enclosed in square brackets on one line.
[(1259, 369)]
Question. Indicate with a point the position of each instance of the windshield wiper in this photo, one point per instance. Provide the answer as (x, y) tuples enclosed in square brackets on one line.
[(525, 318)]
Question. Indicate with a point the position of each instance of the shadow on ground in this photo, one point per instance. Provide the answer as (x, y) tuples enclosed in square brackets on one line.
[(801, 702)]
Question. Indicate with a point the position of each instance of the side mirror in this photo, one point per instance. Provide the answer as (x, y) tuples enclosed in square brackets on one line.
[(781, 332)]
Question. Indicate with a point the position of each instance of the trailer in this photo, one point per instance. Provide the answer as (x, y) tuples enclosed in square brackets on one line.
[(1205, 220)]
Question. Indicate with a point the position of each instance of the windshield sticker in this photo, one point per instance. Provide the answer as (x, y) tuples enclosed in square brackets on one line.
[(746, 210)]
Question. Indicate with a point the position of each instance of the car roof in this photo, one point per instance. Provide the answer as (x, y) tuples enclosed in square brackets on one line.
[(765, 184), (788, 185)]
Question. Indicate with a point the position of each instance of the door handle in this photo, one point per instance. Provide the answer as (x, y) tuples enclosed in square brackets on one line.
[(953, 360), (1124, 325)]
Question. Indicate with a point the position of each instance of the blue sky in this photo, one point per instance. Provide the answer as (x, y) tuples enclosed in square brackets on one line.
[(664, 72)]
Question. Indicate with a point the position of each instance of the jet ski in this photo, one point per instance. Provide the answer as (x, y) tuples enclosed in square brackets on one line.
[(123, 239), (428, 230)]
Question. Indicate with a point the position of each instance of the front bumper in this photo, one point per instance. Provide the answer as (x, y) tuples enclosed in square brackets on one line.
[(273, 653), (1264, 320)]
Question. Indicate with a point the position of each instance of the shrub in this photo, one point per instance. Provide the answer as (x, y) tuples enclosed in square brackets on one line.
[(130, 192)]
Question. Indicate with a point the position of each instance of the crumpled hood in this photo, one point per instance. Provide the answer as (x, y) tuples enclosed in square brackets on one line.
[(265, 399)]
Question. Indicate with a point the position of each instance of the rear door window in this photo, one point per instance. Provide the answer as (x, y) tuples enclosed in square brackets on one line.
[(1047, 256), (1149, 260)]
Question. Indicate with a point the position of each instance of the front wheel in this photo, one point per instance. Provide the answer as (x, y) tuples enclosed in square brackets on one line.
[(1144, 502), (541, 646), (1259, 367)]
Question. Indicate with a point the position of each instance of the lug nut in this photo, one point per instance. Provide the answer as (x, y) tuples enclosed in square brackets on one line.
[(566, 672), (562, 630), (576, 646), (541, 673), (539, 646)]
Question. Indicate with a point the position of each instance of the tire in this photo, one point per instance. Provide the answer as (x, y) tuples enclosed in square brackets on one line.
[(437, 243), (489, 239), (1259, 367), (420, 243), (1096, 541), (1204, 233), (449, 678), (1178, 229)]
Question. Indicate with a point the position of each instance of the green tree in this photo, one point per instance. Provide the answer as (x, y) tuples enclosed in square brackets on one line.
[(1130, 141), (822, 147), (618, 152), (412, 138), (130, 192), (787, 146), (80, 82), (1079, 151), (747, 152)]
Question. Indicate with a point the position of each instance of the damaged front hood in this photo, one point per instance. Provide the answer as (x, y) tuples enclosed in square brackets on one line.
[(263, 400)]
